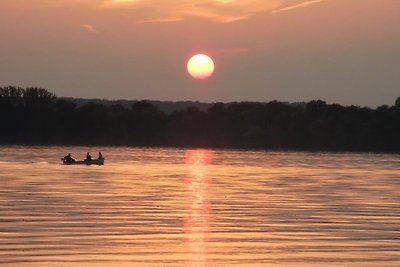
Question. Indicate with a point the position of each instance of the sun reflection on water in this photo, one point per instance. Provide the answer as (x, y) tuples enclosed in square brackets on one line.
[(197, 215)]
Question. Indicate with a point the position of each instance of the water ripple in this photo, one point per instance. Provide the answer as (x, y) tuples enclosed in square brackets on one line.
[(171, 207)]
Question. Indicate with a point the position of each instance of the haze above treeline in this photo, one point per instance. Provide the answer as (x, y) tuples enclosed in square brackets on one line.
[(35, 116)]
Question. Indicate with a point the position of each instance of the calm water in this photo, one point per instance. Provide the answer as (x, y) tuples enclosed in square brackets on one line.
[(170, 207)]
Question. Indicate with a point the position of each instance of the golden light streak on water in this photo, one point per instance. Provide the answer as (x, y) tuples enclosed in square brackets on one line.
[(197, 218)]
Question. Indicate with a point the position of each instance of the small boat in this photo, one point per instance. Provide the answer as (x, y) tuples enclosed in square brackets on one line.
[(84, 162)]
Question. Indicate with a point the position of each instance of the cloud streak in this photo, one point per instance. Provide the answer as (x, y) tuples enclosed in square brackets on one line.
[(301, 5), (89, 28), (213, 10)]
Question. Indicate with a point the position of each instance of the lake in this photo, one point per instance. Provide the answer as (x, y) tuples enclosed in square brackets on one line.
[(197, 207)]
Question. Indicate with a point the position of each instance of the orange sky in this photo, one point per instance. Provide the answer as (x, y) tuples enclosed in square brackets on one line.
[(344, 51)]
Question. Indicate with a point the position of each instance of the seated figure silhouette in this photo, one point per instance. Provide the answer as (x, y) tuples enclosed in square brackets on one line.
[(68, 158), (88, 157)]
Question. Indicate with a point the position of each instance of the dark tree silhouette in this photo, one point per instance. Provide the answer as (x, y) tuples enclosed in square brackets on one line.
[(397, 103), (36, 116)]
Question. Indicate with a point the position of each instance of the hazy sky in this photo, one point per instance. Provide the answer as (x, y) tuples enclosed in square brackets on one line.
[(343, 51)]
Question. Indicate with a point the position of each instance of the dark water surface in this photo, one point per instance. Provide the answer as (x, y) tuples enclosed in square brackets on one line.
[(171, 207)]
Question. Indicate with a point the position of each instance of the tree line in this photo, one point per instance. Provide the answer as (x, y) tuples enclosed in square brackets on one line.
[(37, 116)]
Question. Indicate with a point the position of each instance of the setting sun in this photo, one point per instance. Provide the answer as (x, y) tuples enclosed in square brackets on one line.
[(200, 66)]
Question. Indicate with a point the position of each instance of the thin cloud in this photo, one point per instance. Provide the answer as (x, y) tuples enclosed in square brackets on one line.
[(160, 20), (301, 5), (153, 11), (114, 3), (89, 28), (214, 10)]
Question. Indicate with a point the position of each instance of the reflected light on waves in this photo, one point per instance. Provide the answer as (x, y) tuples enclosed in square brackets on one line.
[(197, 214)]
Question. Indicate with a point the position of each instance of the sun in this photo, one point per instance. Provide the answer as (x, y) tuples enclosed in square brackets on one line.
[(200, 66)]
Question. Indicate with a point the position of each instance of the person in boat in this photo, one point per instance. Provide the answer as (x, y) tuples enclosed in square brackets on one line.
[(100, 156), (68, 158), (88, 157)]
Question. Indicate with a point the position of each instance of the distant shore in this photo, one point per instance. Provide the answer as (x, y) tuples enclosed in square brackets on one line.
[(34, 116)]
